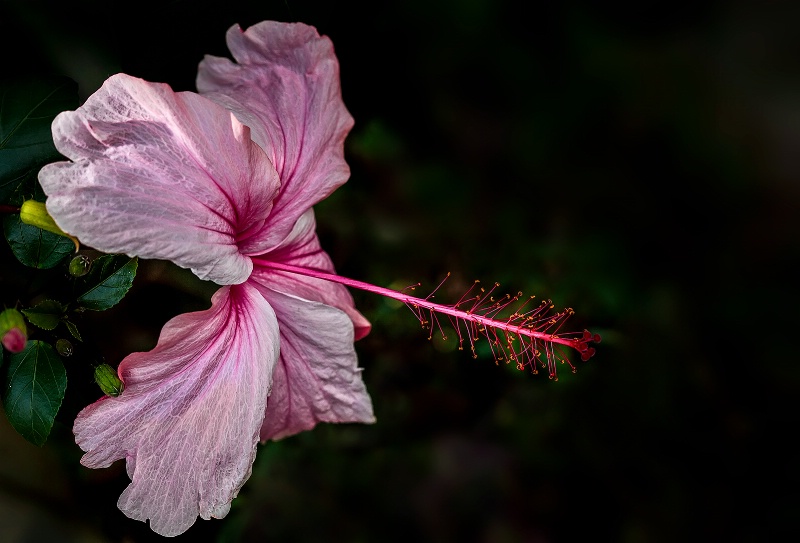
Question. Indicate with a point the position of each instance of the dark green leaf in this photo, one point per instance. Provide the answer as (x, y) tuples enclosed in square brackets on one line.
[(27, 109), (35, 247), (34, 388), (46, 315), (107, 283), (73, 330)]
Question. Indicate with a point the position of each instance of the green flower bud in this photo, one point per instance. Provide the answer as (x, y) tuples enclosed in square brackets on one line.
[(13, 332), (79, 266), (64, 347), (108, 381), (35, 213)]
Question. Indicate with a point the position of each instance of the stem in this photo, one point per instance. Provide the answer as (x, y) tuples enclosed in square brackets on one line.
[(8, 209)]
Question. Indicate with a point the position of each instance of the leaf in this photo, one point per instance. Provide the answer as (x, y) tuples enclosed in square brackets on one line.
[(73, 329), (107, 283), (46, 315), (27, 109), (34, 389), (35, 247)]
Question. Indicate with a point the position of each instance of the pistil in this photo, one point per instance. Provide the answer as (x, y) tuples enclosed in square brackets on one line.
[(528, 337)]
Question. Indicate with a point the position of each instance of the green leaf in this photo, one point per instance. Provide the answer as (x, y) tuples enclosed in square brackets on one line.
[(27, 109), (34, 388), (73, 329), (46, 315), (35, 247), (107, 283)]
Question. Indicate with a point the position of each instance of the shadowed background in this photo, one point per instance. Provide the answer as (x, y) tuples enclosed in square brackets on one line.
[(637, 165)]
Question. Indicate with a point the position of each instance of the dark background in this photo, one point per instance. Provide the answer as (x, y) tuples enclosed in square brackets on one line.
[(637, 164)]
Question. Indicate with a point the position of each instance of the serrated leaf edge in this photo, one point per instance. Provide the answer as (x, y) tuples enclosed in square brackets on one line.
[(73, 329), (135, 261), (59, 314), (41, 439)]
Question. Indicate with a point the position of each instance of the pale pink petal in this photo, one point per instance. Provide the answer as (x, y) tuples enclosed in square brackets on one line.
[(318, 378), (285, 87), (188, 420), (302, 248), (160, 174)]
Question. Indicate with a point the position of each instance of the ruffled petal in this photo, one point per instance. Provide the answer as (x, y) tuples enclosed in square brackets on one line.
[(302, 248), (188, 420), (160, 174), (318, 378), (285, 87)]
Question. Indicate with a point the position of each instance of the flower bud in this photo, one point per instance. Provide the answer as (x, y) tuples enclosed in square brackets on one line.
[(79, 266), (106, 378), (13, 331), (64, 347), (35, 213)]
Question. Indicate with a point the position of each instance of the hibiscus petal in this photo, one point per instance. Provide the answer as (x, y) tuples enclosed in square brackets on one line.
[(302, 248), (285, 87), (318, 378), (188, 420), (160, 174)]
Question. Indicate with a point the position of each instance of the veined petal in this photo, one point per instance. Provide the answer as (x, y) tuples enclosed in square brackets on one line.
[(188, 419), (159, 174), (318, 378), (302, 248), (285, 87)]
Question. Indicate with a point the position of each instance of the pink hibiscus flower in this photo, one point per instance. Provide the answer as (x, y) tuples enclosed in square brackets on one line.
[(221, 183)]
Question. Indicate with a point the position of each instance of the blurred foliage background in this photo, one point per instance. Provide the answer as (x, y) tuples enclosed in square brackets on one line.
[(638, 164)]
